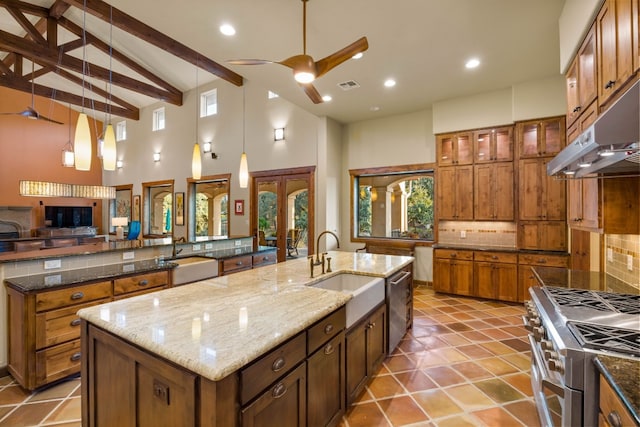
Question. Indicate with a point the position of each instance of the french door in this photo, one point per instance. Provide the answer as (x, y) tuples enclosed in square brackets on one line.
[(282, 210)]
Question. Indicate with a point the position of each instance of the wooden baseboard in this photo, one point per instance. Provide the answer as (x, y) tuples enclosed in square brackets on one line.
[(425, 283)]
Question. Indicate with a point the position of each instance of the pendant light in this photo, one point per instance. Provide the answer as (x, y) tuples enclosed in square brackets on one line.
[(82, 140), (196, 160), (243, 174), (109, 143), (67, 150)]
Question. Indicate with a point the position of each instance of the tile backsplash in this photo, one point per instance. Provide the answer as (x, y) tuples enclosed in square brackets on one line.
[(620, 249), (478, 233)]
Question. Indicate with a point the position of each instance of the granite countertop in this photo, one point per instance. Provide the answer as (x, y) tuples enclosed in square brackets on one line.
[(216, 326), (494, 249), (578, 279), (59, 279), (230, 253), (623, 375)]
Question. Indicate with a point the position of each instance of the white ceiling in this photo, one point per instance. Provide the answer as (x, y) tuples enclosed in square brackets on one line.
[(422, 44)]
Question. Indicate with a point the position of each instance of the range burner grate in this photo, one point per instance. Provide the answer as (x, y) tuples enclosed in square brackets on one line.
[(601, 301), (600, 337)]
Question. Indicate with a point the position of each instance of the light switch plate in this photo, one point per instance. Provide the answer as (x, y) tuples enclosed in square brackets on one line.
[(630, 262), (208, 246), (238, 242), (196, 247), (52, 263), (610, 254), (463, 234), (128, 255)]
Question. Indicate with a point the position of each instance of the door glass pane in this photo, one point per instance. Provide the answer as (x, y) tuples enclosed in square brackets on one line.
[(297, 191), (160, 208), (267, 212), (483, 140), (464, 149), (530, 140), (211, 208)]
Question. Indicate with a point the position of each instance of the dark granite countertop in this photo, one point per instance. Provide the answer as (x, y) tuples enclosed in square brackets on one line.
[(230, 253), (60, 279), (578, 279), (624, 377)]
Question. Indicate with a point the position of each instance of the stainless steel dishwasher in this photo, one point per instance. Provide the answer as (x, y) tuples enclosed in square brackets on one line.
[(397, 289)]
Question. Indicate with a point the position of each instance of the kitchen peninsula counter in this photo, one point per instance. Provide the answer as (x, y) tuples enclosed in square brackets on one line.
[(623, 375), (216, 326)]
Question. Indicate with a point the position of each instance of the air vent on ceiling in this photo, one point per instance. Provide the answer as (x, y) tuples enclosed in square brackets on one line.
[(348, 85)]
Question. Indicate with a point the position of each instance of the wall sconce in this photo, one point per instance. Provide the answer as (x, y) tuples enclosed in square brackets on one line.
[(119, 164), (206, 147), (119, 222), (156, 157), (278, 134)]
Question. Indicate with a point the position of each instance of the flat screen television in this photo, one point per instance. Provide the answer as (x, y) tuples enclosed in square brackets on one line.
[(68, 216)]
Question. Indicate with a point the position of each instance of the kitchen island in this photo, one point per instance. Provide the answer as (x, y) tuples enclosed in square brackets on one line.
[(196, 352)]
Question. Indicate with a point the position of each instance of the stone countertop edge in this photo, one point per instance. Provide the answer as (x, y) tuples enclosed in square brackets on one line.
[(216, 326), (623, 376)]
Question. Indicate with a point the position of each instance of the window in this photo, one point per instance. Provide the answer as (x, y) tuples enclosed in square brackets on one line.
[(158, 119), (209, 207), (121, 131), (272, 95), (209, 103), (121, 205), (159, 214), (393, 203)]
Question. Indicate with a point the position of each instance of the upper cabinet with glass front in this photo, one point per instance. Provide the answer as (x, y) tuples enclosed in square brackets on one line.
[(493, 145), (541, 138), (454, 149)]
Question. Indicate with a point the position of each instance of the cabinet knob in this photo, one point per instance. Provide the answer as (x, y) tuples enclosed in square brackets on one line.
[(278, 390), (328, 329), (75, 357), (614, 419), (494, 257), (278, 364), (77, 295), (610, 84), (75, 322), (239, 263), (143, 282), (578, 108), (328, 349)]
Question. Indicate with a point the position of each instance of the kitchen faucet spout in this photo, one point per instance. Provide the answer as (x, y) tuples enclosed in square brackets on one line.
[(175, 252), (318, 262)]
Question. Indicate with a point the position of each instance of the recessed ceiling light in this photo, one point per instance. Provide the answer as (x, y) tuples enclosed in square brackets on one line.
[(227, 29), (389, 83), (327, 98), (357, 55), (472, 63)]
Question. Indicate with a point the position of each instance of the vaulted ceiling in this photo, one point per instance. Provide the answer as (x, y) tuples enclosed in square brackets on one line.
[(142, 51)]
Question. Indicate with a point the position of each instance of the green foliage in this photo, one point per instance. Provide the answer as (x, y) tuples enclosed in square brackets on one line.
[(420, 208), (364, 211)]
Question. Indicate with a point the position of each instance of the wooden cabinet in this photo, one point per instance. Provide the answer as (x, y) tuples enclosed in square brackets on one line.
[(617, 46), (542, 235), (613, 413), (455, 192), (454, 149), (581, 79), (493, 191), (586, 118), (540, 138), (263, 258), (365, 350), (140, 284), (496, 275), (453, 271), (583, 203), (235, 264), (491, 145), (541, 197), (526, 261), (325, 376)]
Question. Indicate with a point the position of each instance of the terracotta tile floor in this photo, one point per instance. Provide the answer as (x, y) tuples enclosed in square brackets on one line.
[(465, 363)]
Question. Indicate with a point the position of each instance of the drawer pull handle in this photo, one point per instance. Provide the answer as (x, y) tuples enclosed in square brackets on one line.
[(75, 357), (328, 329), (328, 349), (77, 295), (239, 263), (542, 261), (610, 84), (278, 364), (494, 257), (614, 419), (143, 282), (278, 391), (371, 325), (75, 322), (454, 255), (266, 258)]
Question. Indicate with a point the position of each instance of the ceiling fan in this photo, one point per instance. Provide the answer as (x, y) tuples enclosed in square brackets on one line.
[(305, 69), (30, 112)]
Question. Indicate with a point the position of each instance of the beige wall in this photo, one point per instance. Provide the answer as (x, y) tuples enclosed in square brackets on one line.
[(574, 22)]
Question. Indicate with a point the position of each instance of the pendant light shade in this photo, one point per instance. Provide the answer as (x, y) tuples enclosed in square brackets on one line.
[(196, 162), (243, 174), (109, 149), (82, 144)]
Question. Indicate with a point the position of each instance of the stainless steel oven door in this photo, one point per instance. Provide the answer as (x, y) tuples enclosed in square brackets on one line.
[(557, 404)]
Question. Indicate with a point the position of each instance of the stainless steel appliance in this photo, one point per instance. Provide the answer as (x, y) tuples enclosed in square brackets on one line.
[(397, 291), (568, 328)]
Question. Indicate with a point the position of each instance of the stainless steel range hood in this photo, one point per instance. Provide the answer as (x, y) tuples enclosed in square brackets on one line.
[(611, 145)]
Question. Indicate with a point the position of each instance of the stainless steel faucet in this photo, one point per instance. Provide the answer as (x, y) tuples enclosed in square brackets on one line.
[(175, 252), (318, 262)]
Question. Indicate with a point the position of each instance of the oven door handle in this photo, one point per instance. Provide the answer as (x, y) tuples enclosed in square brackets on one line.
[(551, 385)]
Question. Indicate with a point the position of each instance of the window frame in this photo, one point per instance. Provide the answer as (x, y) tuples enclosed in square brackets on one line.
[(190, 203), (355, 174), (203, 103), (121, 131), (155, 125)]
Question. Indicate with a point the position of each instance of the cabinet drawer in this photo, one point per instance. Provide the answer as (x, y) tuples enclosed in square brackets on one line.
[(58, 326), (544, 260), (612, 408), (237, 263), (454, 253), (506, 257), (140, 282), (71, 296), (264, 259), (57, 362), (257, 376), (326, 329)]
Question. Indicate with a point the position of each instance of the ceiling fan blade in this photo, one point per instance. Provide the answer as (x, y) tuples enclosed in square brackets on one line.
[(41, 117), (249, 61), (325, 64), (312, 93)]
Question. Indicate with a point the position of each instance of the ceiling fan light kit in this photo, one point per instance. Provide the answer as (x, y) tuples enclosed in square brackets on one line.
[(305, 69)]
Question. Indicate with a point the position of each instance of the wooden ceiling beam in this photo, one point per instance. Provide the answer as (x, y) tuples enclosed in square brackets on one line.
[(29, 8), (58, 9), (25, 24), (12, 43), (144, 32)]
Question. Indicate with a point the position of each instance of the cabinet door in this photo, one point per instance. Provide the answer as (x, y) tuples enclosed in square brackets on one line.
[(442, 275), (587, 84), (325, 376), (543, 235), (376, 339), (503, 197), (283, 404), (464, 193), (444, 147), (573, 100), (356, 364), (484, 190), (503, 144), (464, 148), (526, 280), (574, 216), (554, 194), (483, 276), (530, 190), (553, 136), (462, 277), (446, 183), (506, 282), (541, 138)]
